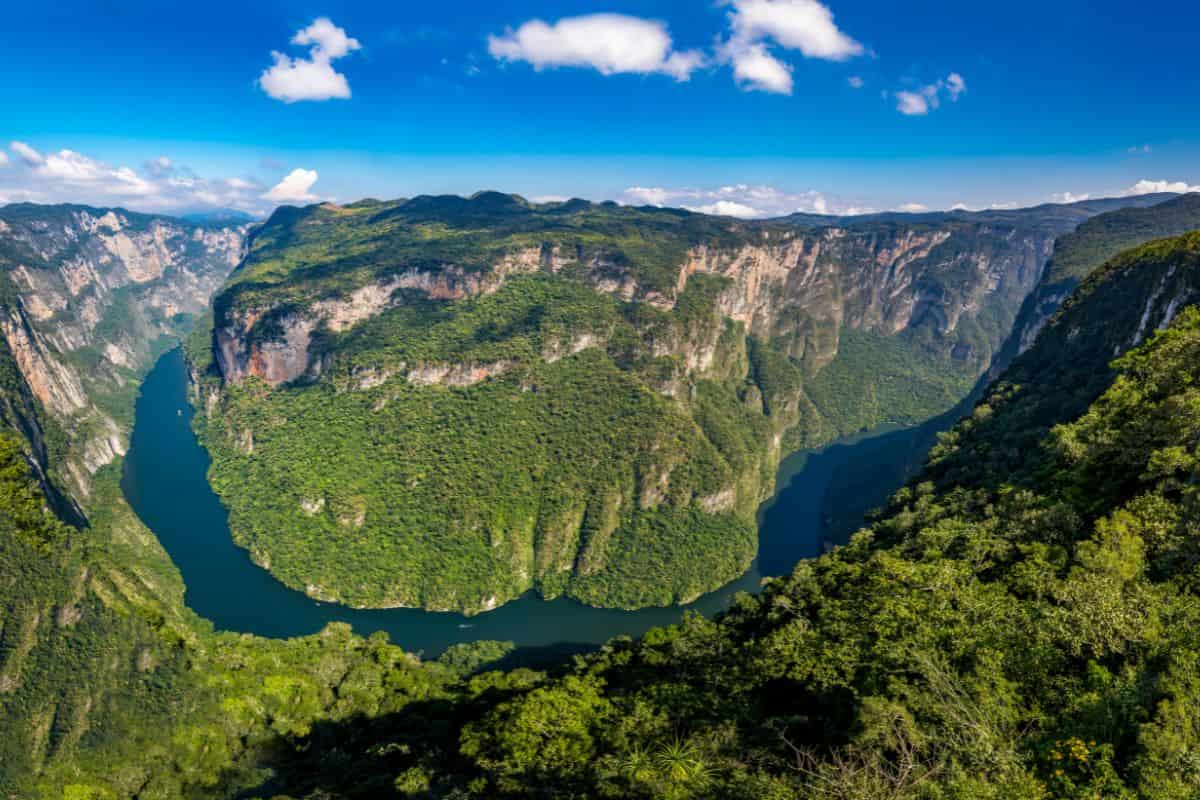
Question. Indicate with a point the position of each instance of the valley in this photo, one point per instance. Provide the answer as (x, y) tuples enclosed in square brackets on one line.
[(166, 485), (131, 630), (577, 399)]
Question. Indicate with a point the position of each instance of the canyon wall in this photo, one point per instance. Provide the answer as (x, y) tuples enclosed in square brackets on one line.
[(90, 298)]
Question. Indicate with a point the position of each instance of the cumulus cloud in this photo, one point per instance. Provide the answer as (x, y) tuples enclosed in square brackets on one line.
[(921, 101), (159, 185), (314, 78), (741, 200), (294, 188), (755, 69), (616, 43), (730, 208), (608, 43), (913, 208), (803, 25), (1155, 187), (3, 159)]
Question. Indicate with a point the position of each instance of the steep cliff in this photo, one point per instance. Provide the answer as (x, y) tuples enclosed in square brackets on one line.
[(88, 298), (446, 402), (1077, 254)]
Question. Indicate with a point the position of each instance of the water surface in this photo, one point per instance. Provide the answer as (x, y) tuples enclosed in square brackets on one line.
[(821, 496)]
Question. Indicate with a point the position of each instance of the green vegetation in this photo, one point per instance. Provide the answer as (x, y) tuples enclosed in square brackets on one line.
[(986, 640), (305, 254), (1019, 623), (1101, 238), (471, 398), (568, 474), (884, 380)]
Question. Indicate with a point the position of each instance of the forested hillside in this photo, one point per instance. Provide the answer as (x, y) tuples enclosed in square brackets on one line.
[(1094, 242), (1028, 631), (579, 399)]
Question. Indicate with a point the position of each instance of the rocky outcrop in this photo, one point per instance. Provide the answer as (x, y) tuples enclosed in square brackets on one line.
[(93, 293)]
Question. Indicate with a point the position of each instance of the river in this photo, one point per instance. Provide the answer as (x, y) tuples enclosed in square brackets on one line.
[(821, 496)]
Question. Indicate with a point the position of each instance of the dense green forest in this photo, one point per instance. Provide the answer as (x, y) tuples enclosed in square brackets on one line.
[(569, 475), (446, 402), (1020, 622)]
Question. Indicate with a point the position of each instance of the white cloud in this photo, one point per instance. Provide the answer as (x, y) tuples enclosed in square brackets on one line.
[(1154, 187), (912, 208), (550, 198), (728, 208), (927, 98), (955, 85), (160, 186), (856, 82), (328, 40), (756, 69), (28, 154), (1139, 149), (294, 188), (804, 25), (912, 103), (314, 78), (608, 43), (741, 200), (1069, 197), (3, 159)]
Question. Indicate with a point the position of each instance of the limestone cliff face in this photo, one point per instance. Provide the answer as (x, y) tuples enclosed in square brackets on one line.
[(802, 287), (90, 298)]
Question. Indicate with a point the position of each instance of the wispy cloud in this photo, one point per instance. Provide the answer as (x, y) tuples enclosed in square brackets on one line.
[(741, 200), (159, 185), (314, 78), (921, 101), (1069, 197), (27, 154), (856, 82), (607, 43)]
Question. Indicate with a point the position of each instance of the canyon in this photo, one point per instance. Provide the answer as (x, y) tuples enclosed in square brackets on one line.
[(91, 297), (424, 344)]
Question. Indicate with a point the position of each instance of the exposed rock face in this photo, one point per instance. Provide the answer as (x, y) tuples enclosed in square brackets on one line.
[(92, 294), (803, 286)]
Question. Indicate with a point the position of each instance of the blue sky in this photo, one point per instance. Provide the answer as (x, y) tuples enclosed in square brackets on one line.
[(762, 106)]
